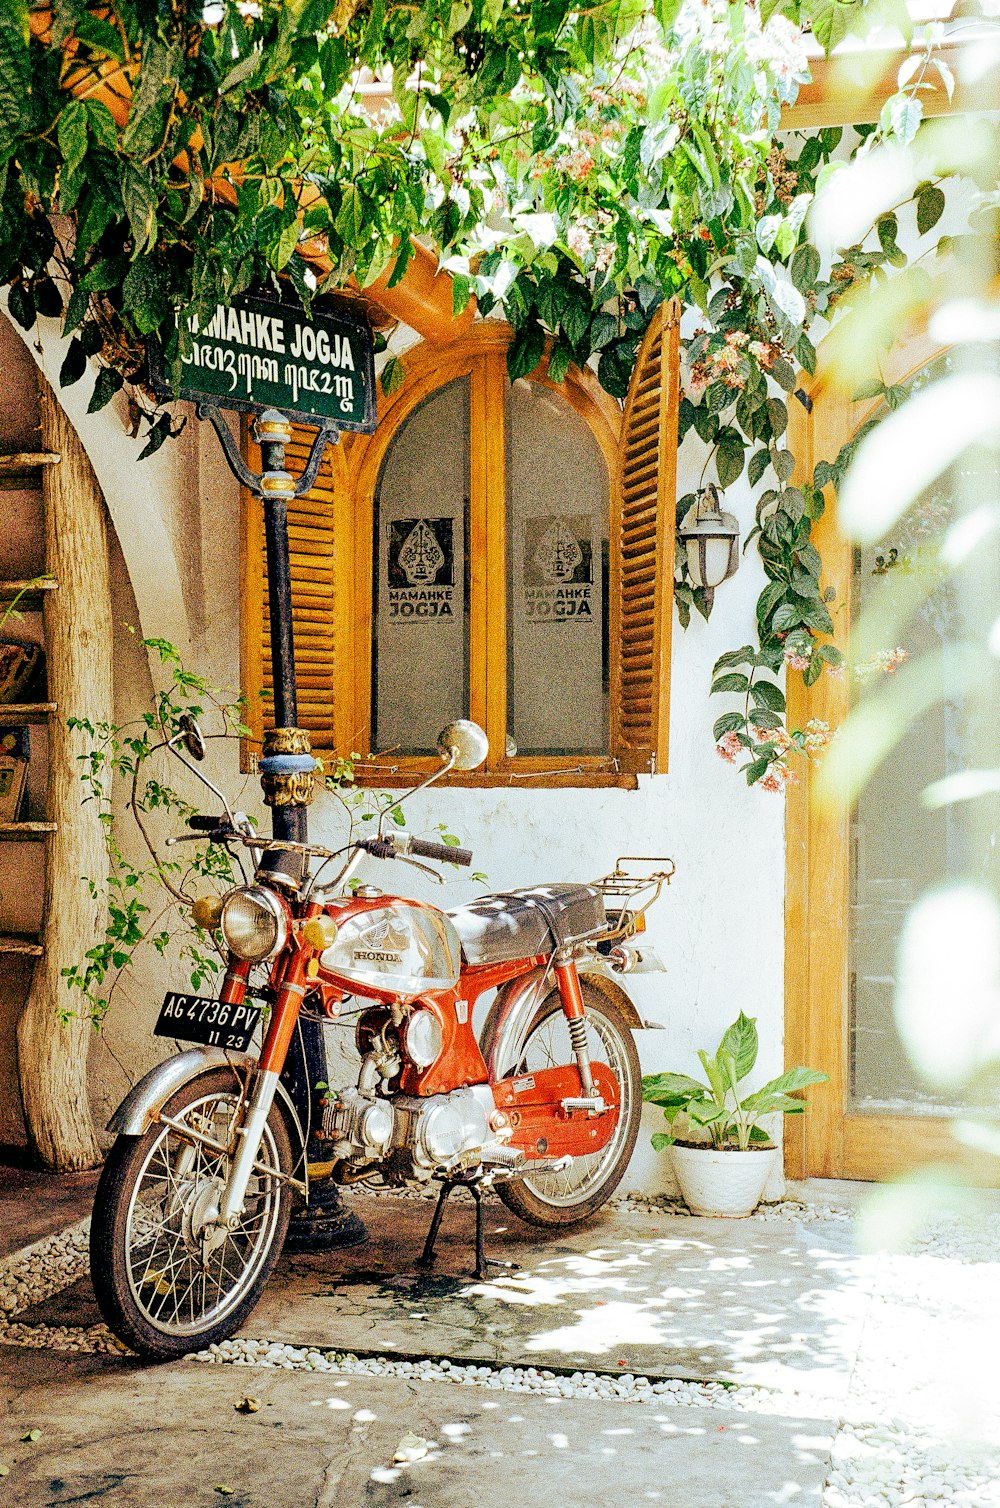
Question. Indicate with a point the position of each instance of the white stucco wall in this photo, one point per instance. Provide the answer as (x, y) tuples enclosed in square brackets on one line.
[(719, 928)]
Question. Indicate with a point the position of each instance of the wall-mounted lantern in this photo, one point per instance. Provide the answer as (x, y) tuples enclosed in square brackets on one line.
[(711, 541)]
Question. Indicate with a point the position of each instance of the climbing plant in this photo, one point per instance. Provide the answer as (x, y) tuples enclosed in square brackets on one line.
[(571, 165)]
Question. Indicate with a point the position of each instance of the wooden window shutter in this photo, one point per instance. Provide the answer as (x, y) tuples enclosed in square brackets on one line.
[(642, 555), (312, 557)]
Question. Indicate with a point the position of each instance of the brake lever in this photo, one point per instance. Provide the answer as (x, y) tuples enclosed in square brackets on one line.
[(403, 858)]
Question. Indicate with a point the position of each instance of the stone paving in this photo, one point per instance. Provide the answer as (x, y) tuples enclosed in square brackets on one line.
[(648, 1357)]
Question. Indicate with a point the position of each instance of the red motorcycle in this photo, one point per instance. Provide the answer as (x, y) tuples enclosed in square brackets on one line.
[(193, 1204)]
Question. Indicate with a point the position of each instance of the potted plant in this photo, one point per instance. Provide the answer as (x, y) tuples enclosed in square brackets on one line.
[(722, 1156)]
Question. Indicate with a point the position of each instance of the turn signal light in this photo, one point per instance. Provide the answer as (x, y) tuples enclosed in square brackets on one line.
[(320, 932), (639, 922), (207, 912)]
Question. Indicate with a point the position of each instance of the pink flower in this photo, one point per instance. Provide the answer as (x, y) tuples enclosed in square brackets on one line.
[(796, 661), (771, 782), (579, 241), (728, 747)]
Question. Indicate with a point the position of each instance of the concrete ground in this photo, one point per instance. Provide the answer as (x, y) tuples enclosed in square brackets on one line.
[(648, 1357)]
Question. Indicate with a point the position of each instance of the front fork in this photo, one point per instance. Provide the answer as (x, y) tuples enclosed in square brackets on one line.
[(571, 996), (272, 1059)]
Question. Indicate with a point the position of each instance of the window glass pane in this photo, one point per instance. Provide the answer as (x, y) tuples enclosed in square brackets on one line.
[(899, 849), (557, 577), (420, 620)]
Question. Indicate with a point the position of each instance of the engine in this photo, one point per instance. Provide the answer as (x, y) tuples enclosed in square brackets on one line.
[(411, 1137)]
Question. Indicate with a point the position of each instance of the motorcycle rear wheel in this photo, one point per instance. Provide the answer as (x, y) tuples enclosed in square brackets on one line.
[(563, 1199), (166, 1281)]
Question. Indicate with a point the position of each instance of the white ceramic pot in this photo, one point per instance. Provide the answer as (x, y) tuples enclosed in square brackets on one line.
[(722, 1183)]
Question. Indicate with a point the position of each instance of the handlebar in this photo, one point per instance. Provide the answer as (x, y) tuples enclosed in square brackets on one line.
[(445, 853), (394, 847)]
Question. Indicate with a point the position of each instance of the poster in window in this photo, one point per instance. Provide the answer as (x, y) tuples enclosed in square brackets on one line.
[(559, 568), (420, 569)]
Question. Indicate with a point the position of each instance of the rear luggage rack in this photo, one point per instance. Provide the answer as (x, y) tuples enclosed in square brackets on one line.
[(635, 890)]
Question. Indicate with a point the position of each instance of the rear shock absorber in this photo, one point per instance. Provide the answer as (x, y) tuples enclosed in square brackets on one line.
[(573, 1009), (578, 1042)]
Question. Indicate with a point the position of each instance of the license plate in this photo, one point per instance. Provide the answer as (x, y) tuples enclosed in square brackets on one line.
[(213, 1023)]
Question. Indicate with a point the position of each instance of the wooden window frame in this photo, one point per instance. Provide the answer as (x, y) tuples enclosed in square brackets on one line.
[(348, 482)]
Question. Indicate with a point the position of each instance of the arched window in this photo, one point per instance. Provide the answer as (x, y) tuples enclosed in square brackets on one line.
[(496, 551)]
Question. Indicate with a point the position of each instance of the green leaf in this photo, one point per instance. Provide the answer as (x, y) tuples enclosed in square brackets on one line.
[(784, 464), (107, 385), (714, 1075), (102, 125), (905, 114), (140, 206), (21, 303), (145, 295), (805, 267), (729, 722), (763, 720), (157, 434), (759, 462), (930, 208), (740, 1040), (71, 133), (793, 1079), (74, 364), (392, 377), (559, 362), (280, 252), (742, 656), (351, 216), (729, 457), (732, 682), (767, 694), (887, 227), (100, 36), (784, 374), (525, 350), (805, 352), (778, 415), (670, 1088), (660, 1140)]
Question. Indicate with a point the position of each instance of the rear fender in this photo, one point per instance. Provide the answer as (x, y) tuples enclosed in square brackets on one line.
[(512, 1012), (144, 1101)]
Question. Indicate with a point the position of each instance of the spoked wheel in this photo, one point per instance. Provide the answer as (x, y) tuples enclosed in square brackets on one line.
[(168, 1279), (565, 1198)]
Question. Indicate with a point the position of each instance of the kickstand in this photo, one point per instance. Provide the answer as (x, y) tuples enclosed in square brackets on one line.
[(426, 1257), (483, 1262)]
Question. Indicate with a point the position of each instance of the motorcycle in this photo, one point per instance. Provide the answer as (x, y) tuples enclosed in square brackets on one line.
[(193, 1204)]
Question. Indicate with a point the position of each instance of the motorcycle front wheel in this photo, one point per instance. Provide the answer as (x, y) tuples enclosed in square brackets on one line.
[(561, 1199), (169, 1281)]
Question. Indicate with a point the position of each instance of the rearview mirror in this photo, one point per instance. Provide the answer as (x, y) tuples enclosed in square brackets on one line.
[(463, 744), (191, 736)]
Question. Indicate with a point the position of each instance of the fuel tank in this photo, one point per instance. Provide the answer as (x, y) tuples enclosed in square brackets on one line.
[(389, 947)]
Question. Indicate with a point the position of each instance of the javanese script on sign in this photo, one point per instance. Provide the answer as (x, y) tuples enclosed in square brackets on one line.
[(256, 353)]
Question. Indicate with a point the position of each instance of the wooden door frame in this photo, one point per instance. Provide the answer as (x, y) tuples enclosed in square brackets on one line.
[(829, 1141)]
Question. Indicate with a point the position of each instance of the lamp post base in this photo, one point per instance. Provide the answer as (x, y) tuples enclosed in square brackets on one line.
[(325, 1223)]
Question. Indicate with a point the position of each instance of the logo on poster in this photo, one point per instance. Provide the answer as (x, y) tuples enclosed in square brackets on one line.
[(559, 569), (421, 569)]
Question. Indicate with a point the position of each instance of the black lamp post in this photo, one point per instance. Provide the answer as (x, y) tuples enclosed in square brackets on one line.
[(287, 769)]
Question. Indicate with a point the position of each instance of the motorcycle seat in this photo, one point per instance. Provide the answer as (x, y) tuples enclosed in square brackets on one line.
[(526, 923)]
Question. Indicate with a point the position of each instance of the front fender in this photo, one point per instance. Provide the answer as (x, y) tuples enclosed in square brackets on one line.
[(146, 1099)]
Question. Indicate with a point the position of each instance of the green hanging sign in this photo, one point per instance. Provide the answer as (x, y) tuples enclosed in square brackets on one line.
[(256, 353)]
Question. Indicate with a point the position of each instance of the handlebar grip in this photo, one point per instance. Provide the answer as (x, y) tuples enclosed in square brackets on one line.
[(202, 824), (443, 852)]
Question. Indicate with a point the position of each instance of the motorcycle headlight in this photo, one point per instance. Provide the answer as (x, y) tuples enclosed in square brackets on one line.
[(255, 923), (422, 1038)]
